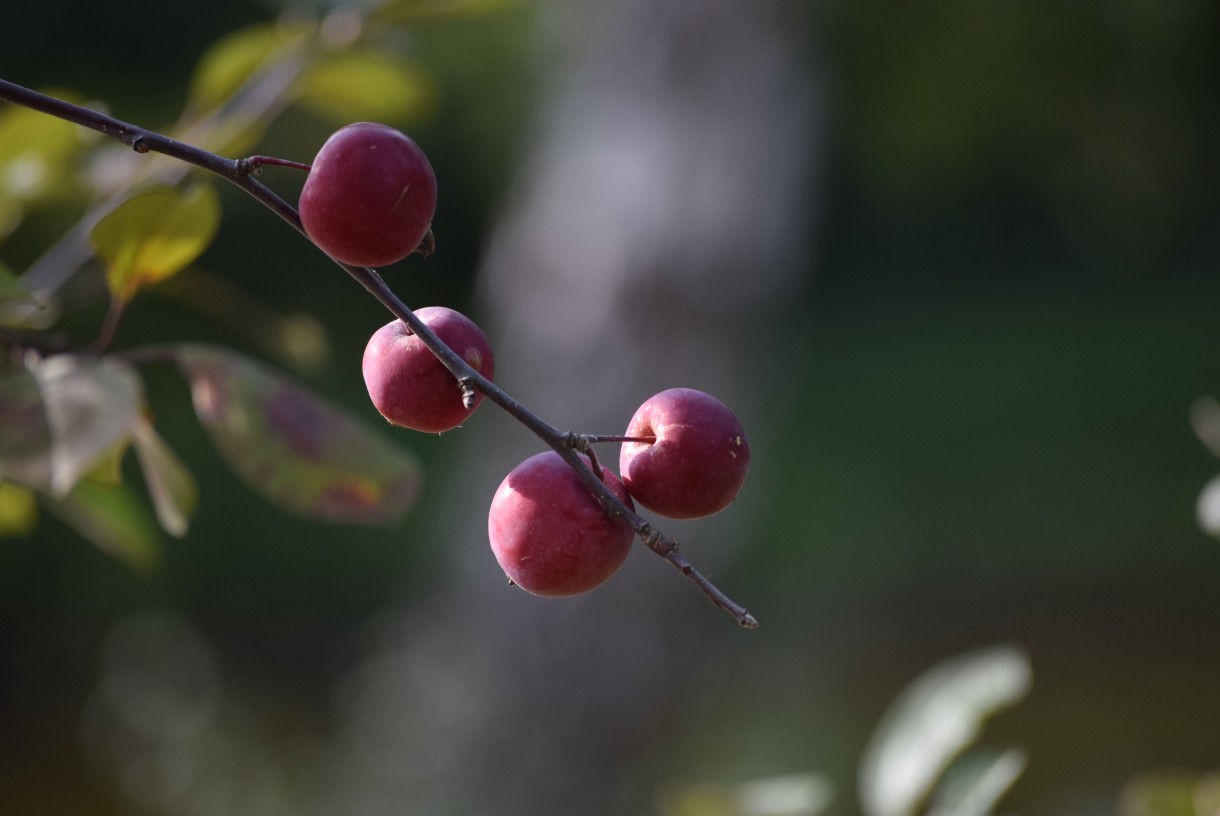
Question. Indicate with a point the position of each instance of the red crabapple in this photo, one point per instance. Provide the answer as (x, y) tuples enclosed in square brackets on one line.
[(409, 385), (550, 535), (369, 197), (696, 459)]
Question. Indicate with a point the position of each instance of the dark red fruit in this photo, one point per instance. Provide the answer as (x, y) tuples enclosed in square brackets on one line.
[(696, 459), (550, 535), (370, 196), (409, 385)]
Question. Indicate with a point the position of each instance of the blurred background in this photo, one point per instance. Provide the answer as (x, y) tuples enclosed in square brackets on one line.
[(956, 266)]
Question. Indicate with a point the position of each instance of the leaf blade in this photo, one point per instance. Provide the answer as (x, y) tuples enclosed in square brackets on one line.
[(91, 406), (154, 234), (367, 85), (12, 293), (932, 721), (296, 449), (229, 62), (974, 785), (37, 153), (174, 493), (18, 510)]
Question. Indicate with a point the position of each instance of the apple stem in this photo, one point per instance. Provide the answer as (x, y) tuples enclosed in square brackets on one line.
[(242, 172), (253, 165), (595, 438)]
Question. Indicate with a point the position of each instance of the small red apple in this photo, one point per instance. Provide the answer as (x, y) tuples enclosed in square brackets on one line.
[(369, 197), (694, 459), (409, 386), (550, 535)]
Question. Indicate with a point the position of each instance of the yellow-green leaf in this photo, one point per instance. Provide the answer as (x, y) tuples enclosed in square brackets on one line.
[(365, 85), (36, 153), (798, 794), (154, 234), (18, 510), (1171, 792), (230, 61)]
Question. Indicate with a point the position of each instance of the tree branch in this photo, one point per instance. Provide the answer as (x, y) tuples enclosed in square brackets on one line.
[(240, 173)]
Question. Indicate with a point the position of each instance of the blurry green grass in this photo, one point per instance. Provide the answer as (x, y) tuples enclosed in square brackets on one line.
[(1001, 430)]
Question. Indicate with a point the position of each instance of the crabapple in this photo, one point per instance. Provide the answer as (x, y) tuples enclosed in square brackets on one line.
[(369, 197), (694, 459), (549, 534), (409, 386)]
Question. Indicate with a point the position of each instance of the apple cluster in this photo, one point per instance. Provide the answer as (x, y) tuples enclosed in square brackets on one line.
[(368, 201), (684, 456)]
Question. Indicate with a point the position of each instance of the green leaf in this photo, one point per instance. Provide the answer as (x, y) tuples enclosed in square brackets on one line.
[(107, 468), (1171, 793), (90, 405), (931, 722), (973, 785), (293, 447), (170, 484), (799, 794), (1207, 507), (114, 520), (1205, 420), (18, 510), (233, 59), (365, 85), (11, 213), (18, 307), (154, 234), (12, 292), (37, 153)]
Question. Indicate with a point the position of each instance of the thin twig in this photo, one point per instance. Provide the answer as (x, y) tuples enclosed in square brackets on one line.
[(253, 165), (593, 439), (110, 326), (238, 171)]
